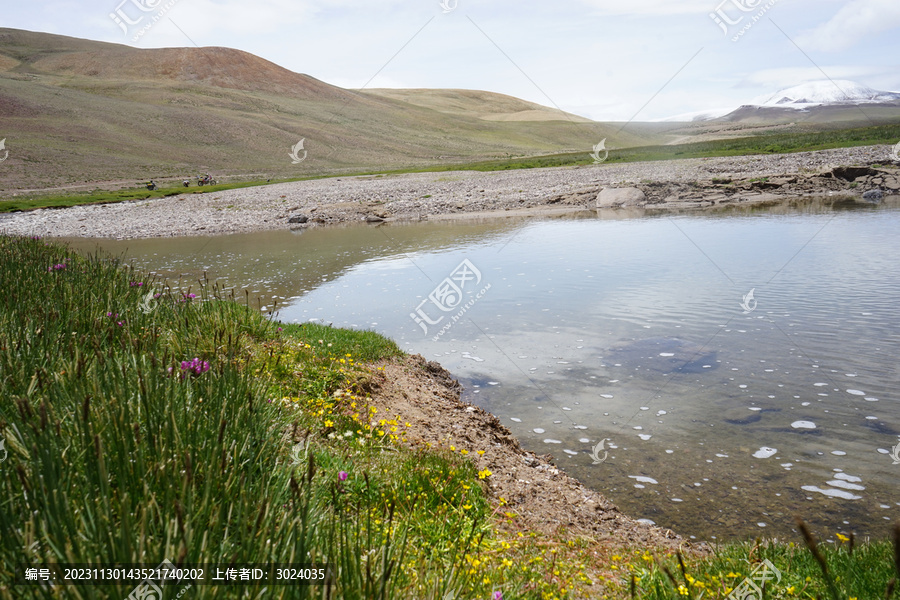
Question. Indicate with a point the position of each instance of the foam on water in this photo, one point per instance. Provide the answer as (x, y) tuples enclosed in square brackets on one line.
[(803, 425), (831, 493), (764, 452), (643, 479), (844, 485)]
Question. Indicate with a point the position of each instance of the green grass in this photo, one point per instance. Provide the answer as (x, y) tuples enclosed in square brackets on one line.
[(866, 571), (779, 143), (118, 452)]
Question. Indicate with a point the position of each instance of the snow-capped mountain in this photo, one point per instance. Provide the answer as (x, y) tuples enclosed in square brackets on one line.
[(818, 93), (803, 97)]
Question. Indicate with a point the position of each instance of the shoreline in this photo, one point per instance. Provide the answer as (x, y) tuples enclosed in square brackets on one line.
[(538, 492), (842, 174)]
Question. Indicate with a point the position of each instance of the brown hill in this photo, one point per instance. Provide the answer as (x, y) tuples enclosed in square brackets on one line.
[(76, 111), (219, 67), (488, 106)]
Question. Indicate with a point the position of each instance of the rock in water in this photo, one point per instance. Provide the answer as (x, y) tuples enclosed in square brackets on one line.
[(663, 355), (873, 196), (620, 197)]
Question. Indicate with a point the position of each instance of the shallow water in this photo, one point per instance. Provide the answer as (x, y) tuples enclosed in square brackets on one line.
[(719, 422)]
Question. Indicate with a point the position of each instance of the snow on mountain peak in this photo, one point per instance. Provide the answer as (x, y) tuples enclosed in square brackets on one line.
[(802, 97), (817, 93)]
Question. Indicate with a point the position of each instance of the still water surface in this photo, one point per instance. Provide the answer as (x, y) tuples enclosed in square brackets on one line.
[(716, 420)]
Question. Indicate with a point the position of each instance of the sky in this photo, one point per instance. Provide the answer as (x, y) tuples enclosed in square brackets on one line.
[(609, 60)]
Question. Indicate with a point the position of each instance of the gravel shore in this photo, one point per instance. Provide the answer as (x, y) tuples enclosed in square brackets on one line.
[(668, 184)]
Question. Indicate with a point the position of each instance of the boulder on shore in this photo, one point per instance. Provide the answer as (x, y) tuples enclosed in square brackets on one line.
[(298, 219), (873, 195), (620, 197)]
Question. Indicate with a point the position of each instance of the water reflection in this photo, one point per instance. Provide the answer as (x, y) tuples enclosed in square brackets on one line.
[(723, 422)]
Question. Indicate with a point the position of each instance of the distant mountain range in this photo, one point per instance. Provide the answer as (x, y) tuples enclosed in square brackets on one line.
[(814, 96)]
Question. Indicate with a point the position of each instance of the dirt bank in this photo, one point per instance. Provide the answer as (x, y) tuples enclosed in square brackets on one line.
[(542, 496)]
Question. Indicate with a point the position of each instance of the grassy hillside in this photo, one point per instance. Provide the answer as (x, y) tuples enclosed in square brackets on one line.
[(74, 111)]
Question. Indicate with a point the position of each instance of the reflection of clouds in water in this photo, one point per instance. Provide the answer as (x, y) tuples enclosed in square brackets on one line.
[(570, 305)]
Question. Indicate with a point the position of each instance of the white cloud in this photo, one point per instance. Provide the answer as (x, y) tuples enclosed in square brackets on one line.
[(776, 79), (651, 8), (856, 21)]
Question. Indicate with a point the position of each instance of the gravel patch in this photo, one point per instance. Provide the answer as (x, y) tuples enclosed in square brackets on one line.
[(420, 196)]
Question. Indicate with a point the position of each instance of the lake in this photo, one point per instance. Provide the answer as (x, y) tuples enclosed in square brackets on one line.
[(716, 373)]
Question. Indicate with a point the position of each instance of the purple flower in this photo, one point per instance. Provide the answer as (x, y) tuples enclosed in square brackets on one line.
[(136, 283), (57, 267), (194, 367), (498, 595), (342, 476)]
